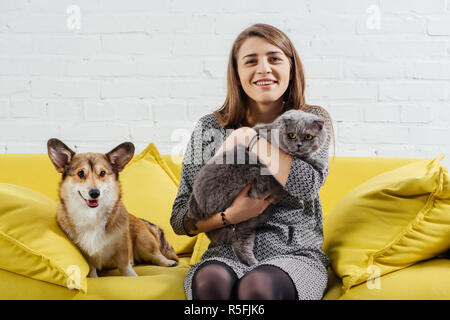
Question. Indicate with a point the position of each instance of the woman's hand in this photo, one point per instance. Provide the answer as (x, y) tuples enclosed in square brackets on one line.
[(242, 136), (244, 207)]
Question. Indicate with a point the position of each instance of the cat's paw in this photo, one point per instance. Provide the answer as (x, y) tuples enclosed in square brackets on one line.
[(250, 261)]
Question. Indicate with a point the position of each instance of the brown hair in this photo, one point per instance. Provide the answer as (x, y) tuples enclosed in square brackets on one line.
[(233, 112)]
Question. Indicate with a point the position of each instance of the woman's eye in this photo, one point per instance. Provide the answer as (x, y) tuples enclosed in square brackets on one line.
[(81, 174), (276, 59), (292, 135), (250, 61), (102, 173), (308, 137)]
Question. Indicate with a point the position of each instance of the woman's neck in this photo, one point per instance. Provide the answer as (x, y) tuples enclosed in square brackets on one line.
[(263, 113)]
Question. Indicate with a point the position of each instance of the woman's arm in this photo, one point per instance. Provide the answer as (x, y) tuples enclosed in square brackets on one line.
[(298, 178), (242, 209), (277, 161), (192, 163)]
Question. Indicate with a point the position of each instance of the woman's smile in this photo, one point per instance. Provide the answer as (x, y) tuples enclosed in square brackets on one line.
[(265, 83)]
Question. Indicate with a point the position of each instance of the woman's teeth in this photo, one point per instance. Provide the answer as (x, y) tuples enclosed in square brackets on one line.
[(264, 83)]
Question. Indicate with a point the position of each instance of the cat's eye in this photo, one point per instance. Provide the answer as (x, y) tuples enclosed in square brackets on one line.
[(292, 135), (81, 174), (102, 174), (308, 137)]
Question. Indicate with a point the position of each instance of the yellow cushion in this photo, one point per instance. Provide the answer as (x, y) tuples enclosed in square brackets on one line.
[(33, 171), (346, 173), (421, 281), (390, 222), (174, 162), (148, 191), (32, 244)]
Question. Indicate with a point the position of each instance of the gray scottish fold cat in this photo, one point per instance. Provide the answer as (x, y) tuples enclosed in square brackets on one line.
[(221, 179)]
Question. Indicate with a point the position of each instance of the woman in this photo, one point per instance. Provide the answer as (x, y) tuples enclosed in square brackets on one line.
[(265, 78)]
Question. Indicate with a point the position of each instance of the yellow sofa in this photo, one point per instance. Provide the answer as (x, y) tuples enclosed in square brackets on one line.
[(424, 280)]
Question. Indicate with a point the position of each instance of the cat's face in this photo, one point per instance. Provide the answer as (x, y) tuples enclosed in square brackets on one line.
[(300, 133)]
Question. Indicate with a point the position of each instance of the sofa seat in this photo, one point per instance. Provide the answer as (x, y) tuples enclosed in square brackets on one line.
[(153, 283), (423, 280)]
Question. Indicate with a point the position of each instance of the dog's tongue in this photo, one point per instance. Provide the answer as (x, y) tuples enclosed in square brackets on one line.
[(92, 203)]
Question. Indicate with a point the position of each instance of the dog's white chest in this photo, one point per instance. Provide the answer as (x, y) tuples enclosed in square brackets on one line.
[(90, 228), (93, 240)]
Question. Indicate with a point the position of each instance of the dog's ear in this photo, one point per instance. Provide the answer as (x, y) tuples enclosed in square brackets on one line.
[(59, 154), (121, 155)]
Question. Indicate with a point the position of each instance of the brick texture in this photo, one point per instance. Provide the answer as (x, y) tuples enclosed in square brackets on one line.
[(141, 70)]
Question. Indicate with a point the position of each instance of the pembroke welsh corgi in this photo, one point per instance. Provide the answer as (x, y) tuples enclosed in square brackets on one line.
[(93, 216)]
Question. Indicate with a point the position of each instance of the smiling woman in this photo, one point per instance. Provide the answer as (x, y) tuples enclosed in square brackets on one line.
[(265, 79)]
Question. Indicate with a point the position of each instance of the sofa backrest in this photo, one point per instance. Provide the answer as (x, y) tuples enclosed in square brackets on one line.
[(35, 171), (346, 173)]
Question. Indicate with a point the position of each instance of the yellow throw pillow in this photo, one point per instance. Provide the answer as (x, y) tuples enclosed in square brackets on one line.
[(148, 191), (32, 244), (390, 222), (174, 162), (31, 170)]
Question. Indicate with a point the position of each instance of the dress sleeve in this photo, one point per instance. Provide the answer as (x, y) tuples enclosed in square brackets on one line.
[(304, 181), (192, 163)]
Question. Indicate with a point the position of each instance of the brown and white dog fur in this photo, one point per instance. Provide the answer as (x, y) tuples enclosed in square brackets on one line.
[(93, 216)]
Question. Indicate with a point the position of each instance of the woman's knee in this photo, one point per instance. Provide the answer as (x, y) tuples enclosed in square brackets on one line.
[(213, 281), (266, 283), (255, 285)]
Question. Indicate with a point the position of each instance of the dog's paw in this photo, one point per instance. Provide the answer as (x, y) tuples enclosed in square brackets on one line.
[(172, 263), (92, 273)]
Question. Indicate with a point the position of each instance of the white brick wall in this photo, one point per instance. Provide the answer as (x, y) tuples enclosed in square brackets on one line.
[(146, 70)]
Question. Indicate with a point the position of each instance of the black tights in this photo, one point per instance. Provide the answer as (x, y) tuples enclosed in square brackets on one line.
[(214, 280)]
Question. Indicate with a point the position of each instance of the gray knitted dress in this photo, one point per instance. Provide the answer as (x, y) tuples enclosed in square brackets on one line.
[(291, 239)]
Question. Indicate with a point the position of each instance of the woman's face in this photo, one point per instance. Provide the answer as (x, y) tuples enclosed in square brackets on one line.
[(263, 69)]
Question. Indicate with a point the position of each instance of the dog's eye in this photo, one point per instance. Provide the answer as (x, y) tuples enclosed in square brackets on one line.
[(308, 137), (292, 135), (102, 173), (81, 174)]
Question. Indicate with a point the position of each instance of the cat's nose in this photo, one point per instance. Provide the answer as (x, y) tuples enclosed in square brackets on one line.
[(299, 145)]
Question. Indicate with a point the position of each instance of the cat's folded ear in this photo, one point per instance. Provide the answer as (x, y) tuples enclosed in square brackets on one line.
[(318, 124)]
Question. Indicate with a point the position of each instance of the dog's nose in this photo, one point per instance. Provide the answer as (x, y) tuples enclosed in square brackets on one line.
[(94, 193)]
